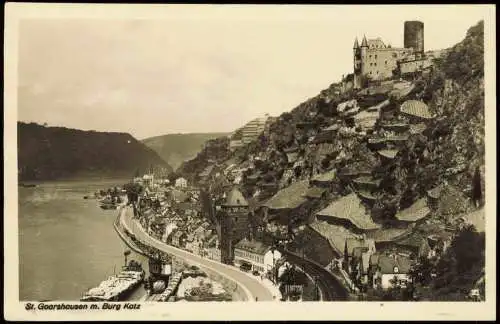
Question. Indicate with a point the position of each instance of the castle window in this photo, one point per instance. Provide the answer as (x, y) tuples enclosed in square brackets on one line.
[(385, 62), (369, 56), (394, 55), (375, 56), (375, 64)]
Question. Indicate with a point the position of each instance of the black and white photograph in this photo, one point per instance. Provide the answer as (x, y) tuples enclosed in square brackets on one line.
[(275, 161)]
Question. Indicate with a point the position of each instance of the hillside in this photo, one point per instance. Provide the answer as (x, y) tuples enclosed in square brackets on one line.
[(177, 148), (450, 147), (49, 153), (388, 156)]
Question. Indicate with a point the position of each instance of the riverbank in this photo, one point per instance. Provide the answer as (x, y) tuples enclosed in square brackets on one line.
[(244, 288)]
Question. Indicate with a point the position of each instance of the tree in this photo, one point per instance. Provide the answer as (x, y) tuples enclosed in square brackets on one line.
[(346, 256), (468, 248), (134, 190), (477, 192)]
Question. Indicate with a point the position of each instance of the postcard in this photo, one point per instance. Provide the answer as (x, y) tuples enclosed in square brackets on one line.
[(249, 162)]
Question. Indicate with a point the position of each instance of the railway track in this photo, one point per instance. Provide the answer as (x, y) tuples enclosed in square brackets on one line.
[(331, 289)]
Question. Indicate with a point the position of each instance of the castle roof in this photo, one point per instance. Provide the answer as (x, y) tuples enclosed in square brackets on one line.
[(356, 44), (364, 42), (376, 43)]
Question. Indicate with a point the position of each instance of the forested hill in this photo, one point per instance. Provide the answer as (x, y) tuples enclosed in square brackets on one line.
[(177, 148), (49, 153)]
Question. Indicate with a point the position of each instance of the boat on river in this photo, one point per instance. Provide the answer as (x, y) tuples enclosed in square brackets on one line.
[(27, 185), (117, 287), (110, 202)]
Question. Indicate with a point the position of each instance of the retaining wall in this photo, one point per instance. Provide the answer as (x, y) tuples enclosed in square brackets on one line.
[(229, 285)]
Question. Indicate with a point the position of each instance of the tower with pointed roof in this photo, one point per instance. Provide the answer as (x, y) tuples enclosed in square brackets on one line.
[(234, 220)]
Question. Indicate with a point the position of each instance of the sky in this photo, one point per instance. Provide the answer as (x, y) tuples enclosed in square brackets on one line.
[(186, 69)]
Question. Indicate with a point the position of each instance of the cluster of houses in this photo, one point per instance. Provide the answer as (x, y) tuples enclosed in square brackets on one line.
[(317, 185), (174, 215)]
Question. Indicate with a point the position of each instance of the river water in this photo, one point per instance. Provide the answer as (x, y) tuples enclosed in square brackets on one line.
[(67, 244)]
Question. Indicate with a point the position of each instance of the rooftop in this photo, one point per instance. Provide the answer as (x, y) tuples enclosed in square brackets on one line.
[(333, 127), (290, 197), (350, 208), (336, 235), (386, 234), (252, 246), (314, 192), (235, 198), (414, 240), (416, 108), (366, 195), (325, 177), (367, 180), (390, 154), (415, 212), (388, 263)]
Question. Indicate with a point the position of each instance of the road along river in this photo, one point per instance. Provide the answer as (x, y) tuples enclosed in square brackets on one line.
[(252, 287)]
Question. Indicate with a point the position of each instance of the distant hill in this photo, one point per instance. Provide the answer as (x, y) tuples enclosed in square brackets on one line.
[(177, 148), (49, 153)]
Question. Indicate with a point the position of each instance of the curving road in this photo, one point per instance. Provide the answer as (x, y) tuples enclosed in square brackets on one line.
[(253, 287)]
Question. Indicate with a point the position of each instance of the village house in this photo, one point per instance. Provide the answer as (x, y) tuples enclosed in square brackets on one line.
[(179, 238), (389, 270), (181, 182), (258, 255)]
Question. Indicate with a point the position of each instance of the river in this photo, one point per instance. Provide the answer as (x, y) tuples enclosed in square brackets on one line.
[(67, 244)]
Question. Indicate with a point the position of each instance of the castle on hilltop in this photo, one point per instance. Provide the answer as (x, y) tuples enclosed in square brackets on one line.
[(376, 61)]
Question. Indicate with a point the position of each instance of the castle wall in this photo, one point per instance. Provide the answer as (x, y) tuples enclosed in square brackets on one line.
[(414, 65), (379, 64)]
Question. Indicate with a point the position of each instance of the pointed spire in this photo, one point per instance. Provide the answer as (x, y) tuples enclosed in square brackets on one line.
[(364, 42), (356, 43)]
